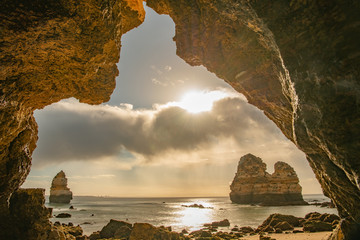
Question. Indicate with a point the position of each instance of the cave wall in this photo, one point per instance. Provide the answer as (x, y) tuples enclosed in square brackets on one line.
[(52, 50), (298, 61), (295, 60)]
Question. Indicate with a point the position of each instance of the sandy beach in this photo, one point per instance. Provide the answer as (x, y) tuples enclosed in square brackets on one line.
[(294, 236)]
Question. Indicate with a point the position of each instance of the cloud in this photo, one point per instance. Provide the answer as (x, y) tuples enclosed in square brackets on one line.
[(74, 131), (163, 77)]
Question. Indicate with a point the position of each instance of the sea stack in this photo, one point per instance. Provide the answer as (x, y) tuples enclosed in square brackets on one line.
[(59, 192), (253, 185)]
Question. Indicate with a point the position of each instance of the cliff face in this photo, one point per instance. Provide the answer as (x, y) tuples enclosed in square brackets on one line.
[(59, 192), (298, 62), (253, 185)]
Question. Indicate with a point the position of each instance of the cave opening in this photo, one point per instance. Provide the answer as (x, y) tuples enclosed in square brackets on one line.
[(306, 80), (103, 152), (148, 92)]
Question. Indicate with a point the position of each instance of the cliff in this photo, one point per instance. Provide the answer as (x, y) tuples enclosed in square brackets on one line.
[(298, 62), (59, 192), (253, 185)]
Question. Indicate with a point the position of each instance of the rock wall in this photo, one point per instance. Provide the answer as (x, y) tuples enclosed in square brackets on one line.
[(29, 215), (253, 185), (52, 50), (59, 192), (296, 60)]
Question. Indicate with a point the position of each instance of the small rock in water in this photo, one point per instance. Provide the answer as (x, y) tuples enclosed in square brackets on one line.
[(223, 223), (63, 215)]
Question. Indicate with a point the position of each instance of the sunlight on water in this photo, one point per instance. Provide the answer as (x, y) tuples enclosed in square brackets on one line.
[(93, 213), (193, 216)]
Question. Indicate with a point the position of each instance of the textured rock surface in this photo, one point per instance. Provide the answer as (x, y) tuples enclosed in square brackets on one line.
[(298, 62), (51, 50), (59, 192), (29, 217), (253, 185), (148, 231), (111, 228)]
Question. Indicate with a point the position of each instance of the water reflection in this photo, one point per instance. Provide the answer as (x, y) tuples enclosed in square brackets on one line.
[(193, 218)]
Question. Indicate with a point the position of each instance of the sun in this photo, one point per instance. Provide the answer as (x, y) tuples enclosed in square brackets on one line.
[(197, 102)]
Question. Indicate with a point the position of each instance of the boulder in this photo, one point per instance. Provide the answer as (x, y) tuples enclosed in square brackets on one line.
[(277, 218), (246, 229), (122, 232), (112, 227), (95, 236), (222, 223), (150, 232), (317, 226)]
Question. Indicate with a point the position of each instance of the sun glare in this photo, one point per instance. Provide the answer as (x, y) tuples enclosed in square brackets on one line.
[(196, 102)]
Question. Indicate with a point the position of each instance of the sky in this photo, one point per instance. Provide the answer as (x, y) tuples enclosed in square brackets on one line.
[(169, 129)]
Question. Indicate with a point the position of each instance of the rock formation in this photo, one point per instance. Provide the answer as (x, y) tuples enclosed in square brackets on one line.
[(253, 185), (59, 192), (295, 60)]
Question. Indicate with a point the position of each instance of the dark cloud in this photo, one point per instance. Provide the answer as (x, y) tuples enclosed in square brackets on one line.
[(74, 131)]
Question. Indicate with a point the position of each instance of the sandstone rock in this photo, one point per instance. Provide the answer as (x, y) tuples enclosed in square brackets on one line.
[(200, 233), (59, 192), (30, 215), (95, 236), (122, 232), (316, 226), (148, 231), (246, 229), (313, 215), (298, 81), (110, 229), (70, 231), (283, 226), (253, 185), (325, 217), (278, 221)]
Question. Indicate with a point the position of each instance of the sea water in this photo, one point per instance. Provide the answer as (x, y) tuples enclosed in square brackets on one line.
[(93, 213)]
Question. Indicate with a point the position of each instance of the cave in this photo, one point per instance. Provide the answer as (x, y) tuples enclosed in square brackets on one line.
[(295, 60)]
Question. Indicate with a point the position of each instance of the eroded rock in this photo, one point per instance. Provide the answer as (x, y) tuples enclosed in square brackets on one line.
[(253, 185), (298, 62), (59, 192)]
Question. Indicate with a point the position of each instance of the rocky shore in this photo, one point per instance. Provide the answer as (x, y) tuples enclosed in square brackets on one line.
[(277, 226)]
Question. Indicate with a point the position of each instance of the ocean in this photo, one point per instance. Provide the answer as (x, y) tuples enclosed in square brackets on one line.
[(93, 213)]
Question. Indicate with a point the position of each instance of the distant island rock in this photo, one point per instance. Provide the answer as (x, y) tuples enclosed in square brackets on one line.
[(59, 192), (253, 185)]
